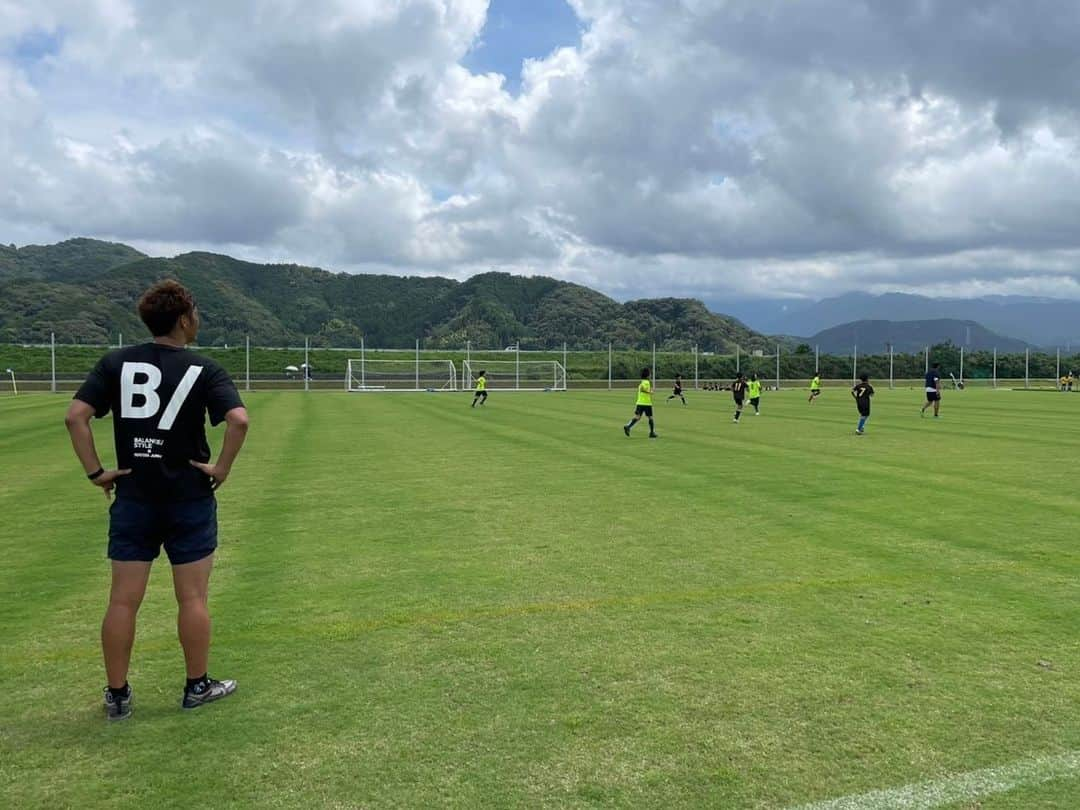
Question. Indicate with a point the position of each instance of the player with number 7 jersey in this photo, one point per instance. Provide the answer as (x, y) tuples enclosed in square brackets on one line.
[(160, 394)]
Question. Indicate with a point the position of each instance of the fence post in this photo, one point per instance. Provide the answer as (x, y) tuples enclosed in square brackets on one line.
[(609, 366), (517, 364), (52, 354), (926, 361), (961, 364), (418, 364), (566, 373), (891, 385), (654, 364), (737, 359), (1027, 366), (777, 366), (247, 364), (307, 367), (695, 367), (854, 363), (995, 367), (467, 368), (1057, 378), (363, 371), (816, 369)]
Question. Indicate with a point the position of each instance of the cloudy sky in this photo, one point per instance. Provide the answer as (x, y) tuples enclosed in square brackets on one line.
[(715, 148)]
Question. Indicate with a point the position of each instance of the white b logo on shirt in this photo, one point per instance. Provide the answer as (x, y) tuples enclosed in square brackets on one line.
[(129, 389)]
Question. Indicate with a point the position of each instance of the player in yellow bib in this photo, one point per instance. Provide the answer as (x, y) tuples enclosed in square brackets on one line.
[(754, 390), (481, 389), (815, 388), (644, 405)]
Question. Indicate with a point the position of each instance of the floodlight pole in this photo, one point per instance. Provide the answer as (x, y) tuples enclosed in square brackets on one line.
[(468, 364), (737, 359), (363, 378), (121, 340), (891, 366), (564, 363), (418, 364), (307, 367), (247, 364), (654, 363), (995, 367), (926, 361), (695, 367), (1027, 367), (816, 369), (52, 354), (961, 364), (609, 366), (1057, 379), (517, 364), (777, 366), (854, 362)]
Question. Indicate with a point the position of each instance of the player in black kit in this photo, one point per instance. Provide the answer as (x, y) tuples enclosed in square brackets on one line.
[(160, 394), (738, 393), (677, 392)]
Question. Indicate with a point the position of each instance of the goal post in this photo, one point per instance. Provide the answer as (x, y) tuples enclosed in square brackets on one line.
[(405, 374), (513, 375)]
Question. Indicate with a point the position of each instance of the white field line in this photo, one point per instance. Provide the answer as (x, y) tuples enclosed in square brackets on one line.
[(960, 787)]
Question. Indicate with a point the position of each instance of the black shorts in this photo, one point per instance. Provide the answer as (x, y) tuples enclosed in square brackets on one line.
[(643, 409), (754, 401), (865, 413), (482, 394), (933, 396), (677, 392), (138, 529), (815, 392), (738, 401)]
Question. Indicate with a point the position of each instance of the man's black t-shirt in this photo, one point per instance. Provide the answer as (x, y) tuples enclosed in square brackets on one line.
[(738, 390), (863, 392), (159, 396)]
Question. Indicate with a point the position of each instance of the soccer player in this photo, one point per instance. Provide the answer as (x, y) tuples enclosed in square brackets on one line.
[(481, 389), (678, 390), (754, 389), (815, 387), (738, 393), (862, 393), (933, 390), (159, 394), (644, 405)]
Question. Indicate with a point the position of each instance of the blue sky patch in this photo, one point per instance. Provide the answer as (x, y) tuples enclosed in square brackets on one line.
[(36, 45), (517, 30)]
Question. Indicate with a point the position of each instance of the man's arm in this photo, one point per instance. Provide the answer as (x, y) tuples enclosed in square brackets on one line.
[(77, 421), (236, 426)]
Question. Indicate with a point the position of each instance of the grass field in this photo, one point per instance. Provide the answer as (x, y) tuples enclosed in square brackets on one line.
[(427, 605)]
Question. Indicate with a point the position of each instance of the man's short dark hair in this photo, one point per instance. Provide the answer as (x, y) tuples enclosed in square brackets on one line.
[(162, 305), (645, 372), (864, 377), (934, 365)]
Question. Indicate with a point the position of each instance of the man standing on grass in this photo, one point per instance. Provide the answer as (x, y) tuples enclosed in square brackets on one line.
[(862, 393), (159, 394), (933, 390), (644, 405)]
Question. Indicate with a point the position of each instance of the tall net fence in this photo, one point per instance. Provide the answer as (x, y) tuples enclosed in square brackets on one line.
[(63, 367)]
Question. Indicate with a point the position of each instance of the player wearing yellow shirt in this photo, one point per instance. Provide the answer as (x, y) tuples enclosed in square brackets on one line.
[(644, 404), (815, 388), (754, 389), (481, 389)]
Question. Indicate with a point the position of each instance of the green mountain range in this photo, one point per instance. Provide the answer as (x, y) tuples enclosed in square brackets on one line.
[(85, 291)]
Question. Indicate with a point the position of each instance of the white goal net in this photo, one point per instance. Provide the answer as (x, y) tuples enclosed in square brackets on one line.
[(513, 375), (400, 375)]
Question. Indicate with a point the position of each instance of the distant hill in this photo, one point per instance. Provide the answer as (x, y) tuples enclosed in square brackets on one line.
[(1045, 322), (911, 336), (86, 291)]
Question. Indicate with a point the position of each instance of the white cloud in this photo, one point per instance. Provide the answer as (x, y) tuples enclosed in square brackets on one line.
[(751, 146)]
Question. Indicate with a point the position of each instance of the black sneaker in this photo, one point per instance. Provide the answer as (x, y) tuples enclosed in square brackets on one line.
[(207, 692), (626, 430), (654, 436), (117, 708)]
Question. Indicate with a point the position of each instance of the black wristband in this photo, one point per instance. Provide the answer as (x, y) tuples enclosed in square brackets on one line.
[(96, 475)]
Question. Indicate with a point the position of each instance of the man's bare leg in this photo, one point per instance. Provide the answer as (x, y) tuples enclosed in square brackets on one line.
[(118, 628)]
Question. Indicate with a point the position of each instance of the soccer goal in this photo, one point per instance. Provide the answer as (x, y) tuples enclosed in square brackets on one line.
[(405, 374), (513, 375)]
